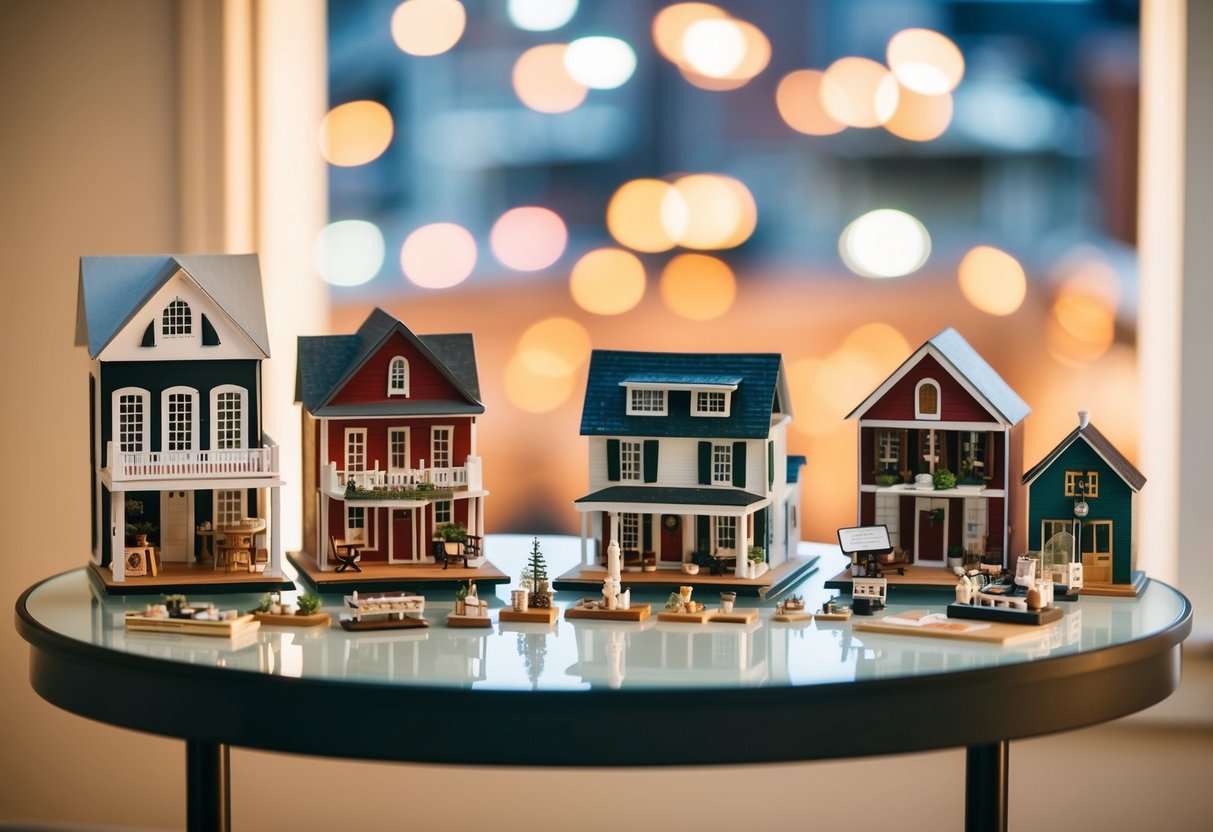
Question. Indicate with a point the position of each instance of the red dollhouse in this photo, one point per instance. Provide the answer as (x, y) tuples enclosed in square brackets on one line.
[(940, 456), (389, 460)]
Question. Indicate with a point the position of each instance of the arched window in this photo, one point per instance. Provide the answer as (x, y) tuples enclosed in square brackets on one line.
[(398, 376), (130, 420), (926, 400), (229, 417), (177, 319), (179, 419)]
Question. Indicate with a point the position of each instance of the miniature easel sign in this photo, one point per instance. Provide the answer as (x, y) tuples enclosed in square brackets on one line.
[(864, 544)]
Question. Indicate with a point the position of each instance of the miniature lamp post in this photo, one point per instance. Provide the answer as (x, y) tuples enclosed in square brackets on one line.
[(1080, 511)]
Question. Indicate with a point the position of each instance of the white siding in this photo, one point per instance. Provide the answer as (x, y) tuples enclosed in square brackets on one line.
[(678, 463)]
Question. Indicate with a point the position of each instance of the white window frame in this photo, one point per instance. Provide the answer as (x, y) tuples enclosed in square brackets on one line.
[(647, 401), (888, 450), (444, 512), (392, 457), (722, 464), (145, 399), (355, 451), (702, 403), (724, 526), (631, 461), (398, 385), (439, 434), (919, 413), (174, 323), (356, 524), (629, 532), (166, 419), (230, 506), (216, 392)]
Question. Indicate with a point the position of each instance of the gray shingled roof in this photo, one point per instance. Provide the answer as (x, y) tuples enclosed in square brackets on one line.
[(758, 376), (112, 290), (327, 362), (964, 362), (1100, 444)]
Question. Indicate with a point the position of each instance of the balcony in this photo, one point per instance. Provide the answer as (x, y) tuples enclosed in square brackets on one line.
[(239, 463), (414, 484)]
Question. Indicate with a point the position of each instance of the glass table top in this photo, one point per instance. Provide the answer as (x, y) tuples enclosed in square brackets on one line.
[(571, 655)]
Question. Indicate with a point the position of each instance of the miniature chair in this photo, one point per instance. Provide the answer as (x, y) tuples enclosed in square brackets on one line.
[(346, 553)]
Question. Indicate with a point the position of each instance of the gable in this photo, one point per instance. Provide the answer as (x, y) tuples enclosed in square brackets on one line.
[(1071, 450), (957, 404), (369, 384)]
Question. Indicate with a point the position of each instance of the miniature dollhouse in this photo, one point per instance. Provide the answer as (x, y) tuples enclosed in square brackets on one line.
[(1082, 501), (390, 467), (688, 462), (180, 470), (940, 456)]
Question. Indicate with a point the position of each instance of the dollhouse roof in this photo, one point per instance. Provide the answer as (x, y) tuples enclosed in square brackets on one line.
[(660, 495), (970, 369), (756, 379), (1100, 444), (327, 362), (112, 290)]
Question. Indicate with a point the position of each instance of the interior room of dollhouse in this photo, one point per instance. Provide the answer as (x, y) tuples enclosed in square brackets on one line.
[(516, 191)]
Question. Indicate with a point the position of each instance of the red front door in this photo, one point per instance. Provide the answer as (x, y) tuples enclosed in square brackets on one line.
[(931, 525), (402, 534), (671, 538)]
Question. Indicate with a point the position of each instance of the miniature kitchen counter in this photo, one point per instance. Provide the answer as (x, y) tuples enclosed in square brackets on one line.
[(825, 685)]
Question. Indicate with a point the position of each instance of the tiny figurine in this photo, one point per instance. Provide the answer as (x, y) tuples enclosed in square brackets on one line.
[(307, 612), (689, 469), (388, 611), (831, 610), (176, 615), (532, 602), (616, 603), (183, 477), (395, 488), (1082, 512), (940, 456), (681, 608), (1028, 599), (470, 610)]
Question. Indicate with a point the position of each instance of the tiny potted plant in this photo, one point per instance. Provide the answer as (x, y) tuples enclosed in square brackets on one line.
[(461, 595), (137, 528), (887, 478), (756, 556), (308, 604), (943, 479), (453, 536)]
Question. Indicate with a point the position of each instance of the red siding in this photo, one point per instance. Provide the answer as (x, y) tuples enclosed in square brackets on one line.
[(369, 384), (957, 404), (867, 508), (867, 456), (419, 440)]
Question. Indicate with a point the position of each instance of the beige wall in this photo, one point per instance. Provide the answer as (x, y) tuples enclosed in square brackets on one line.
[(89, 165)]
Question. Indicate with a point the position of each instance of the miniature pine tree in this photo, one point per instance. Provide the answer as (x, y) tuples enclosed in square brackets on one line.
[(540, 595)]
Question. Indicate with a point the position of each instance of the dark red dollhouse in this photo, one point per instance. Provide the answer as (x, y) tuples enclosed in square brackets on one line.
[(389, 448), (940, 456)]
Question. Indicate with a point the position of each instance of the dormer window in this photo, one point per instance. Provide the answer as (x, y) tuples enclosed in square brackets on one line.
[(645, 401), (177, 319), (711, 403), (926, 400), (398, 376)]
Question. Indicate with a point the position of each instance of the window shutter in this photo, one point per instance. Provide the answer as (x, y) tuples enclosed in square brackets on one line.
[(739, 464), (612, 452), (210, 338), (646, 533), (770, 465), (705, 463), (703, 536), (149, 336), (650, 460)]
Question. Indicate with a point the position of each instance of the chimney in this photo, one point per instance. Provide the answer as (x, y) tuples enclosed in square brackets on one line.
[(1084, 418)]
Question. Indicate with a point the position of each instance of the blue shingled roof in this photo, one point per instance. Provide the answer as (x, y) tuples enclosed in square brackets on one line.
[(113, 290), (757, 376)]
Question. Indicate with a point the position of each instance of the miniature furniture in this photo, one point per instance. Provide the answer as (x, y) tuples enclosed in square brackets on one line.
[(346, 554), (239, 545), (1132, 665)]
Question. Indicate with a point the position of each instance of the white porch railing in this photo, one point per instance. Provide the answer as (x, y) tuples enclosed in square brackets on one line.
[(158, 465), (464, 478)]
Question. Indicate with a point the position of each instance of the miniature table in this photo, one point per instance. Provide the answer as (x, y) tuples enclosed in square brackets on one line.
[(820, 683)]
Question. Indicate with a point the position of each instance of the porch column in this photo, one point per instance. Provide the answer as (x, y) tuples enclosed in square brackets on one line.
[(118, 535), (322, 548), (585, 553), (275, 530)]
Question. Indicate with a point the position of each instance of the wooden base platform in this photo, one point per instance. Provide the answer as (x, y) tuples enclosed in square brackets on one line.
[(1130, 590), (700, 617), (932, 578), (391, 623), (384, 577), (229, 628), (1005, 615), (187, 578), (841, 615), (636, 612), (714, 616), (468, 621), (993, 633), (532, 615), (774, 581), (792, 617), (316, 619)]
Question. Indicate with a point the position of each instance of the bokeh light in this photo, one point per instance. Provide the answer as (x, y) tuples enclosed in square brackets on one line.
[(798, 98), (542, 82), (858, 92), (918, 117), (992, 280), (698, 287), (811, 419), (529, 238), (671, 23), (607, 281), (755, 57), (428, 27), (554, 347), (925, 61), (879, 344), (348, 252), (534, 392), (600, 63), (1082, 322), (540, 15), (634, 215), (438, 256), (884, 243), (355, 133), (720, 212), (714, 47)]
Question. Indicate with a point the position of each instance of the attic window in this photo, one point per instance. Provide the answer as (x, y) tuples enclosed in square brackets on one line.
[(711, 403), (398, 376), (926, 400), (646, 401), (177, 319)]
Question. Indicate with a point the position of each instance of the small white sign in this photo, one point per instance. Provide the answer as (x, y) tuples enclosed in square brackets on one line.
[(864, 539)]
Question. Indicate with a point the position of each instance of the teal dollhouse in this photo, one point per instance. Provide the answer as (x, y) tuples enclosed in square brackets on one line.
[(1082, 503)]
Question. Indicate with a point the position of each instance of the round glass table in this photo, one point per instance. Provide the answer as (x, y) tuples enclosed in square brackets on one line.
[(610, 693)]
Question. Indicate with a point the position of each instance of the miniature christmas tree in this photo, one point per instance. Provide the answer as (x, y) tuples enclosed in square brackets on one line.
[(541, 596)]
